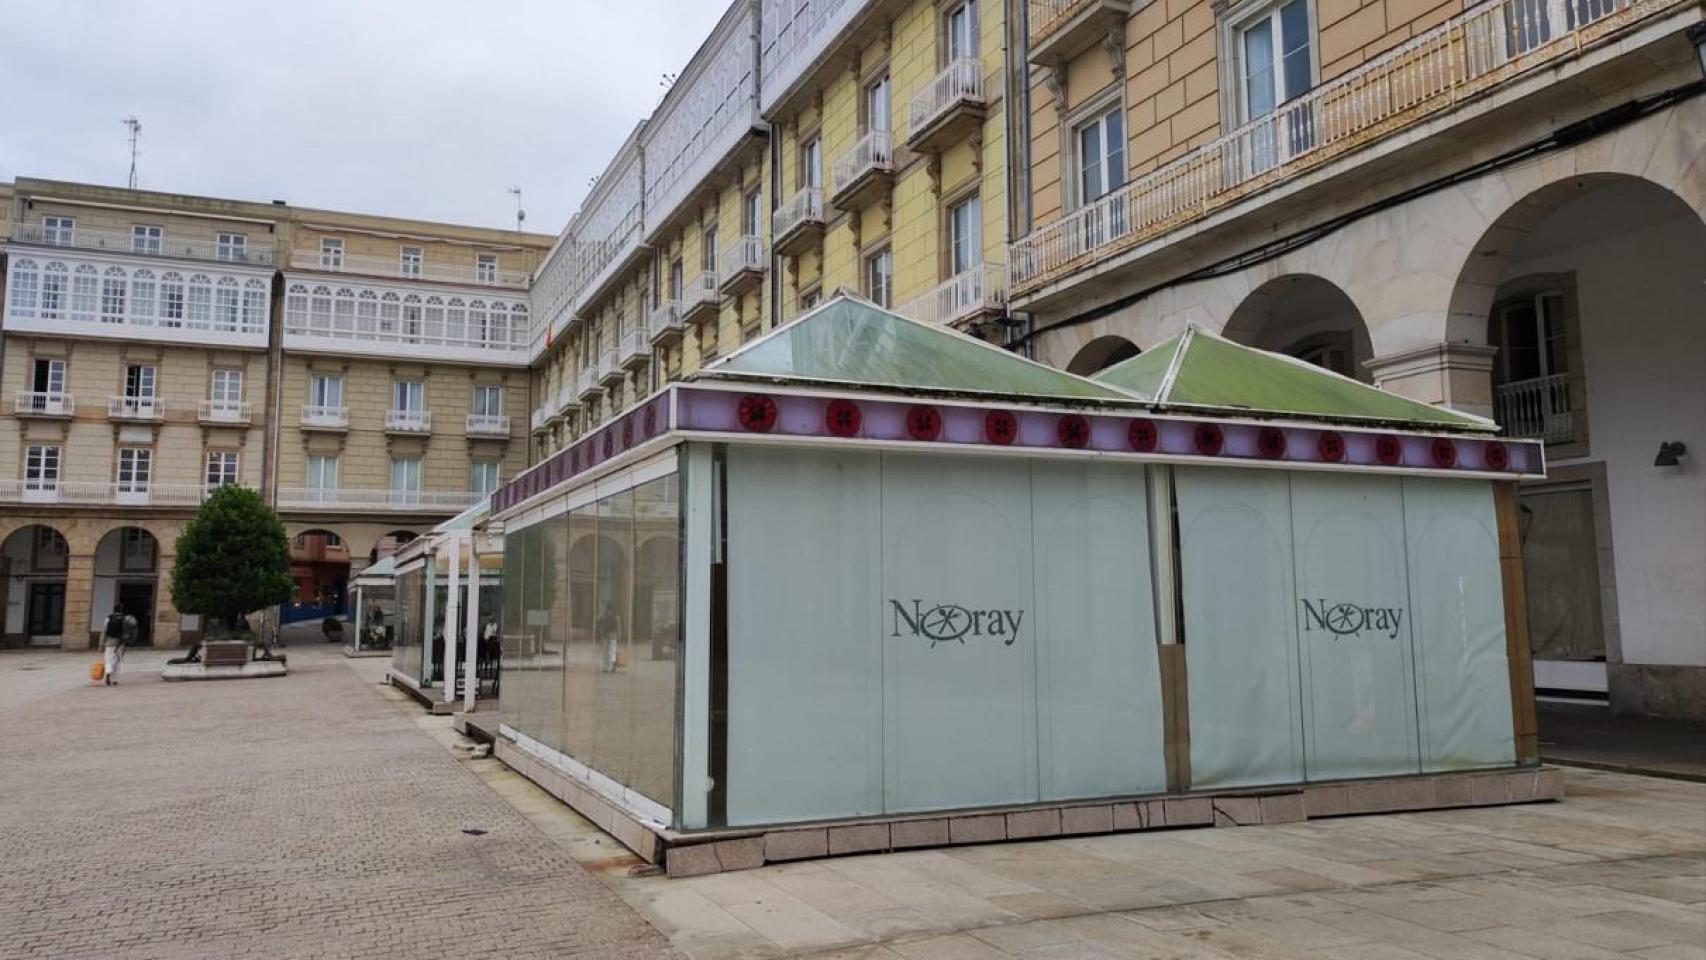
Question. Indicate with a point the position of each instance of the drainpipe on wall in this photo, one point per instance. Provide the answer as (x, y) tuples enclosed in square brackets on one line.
[(270, 436)]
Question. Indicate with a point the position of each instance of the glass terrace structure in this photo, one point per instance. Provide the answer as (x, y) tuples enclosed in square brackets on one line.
[(869, 583), (446, 589)]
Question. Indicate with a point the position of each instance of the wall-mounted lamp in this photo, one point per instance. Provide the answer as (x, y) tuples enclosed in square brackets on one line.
[(1670, 453), (1697, 36)]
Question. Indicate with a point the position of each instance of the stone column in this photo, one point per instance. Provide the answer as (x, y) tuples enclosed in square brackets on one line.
[(79, 632), (1455, 375), (168, 623)]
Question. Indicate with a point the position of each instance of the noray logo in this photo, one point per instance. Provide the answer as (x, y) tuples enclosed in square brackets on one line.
[(950, 621), (1349, 619)]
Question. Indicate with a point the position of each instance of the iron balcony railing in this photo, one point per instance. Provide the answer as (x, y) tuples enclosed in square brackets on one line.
[(960, 82), (136, 408), (223, 411), (43, 404), (311, 259), (1470, 53), (127, 492), (408, 421), (803, 207), (741, 253), (115, 241), (319, 415), (869, 154), (339, 498), (982, 289), (487, 424), (1536, 409)]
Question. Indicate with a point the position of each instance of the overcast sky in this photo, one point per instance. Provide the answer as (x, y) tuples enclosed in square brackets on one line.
[(417, 108)]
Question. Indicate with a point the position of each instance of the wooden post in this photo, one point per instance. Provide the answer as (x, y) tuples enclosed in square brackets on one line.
[(1517, 652)]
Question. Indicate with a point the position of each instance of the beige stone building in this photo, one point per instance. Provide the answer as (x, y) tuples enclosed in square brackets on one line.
[(157, 345), (1496, 206)]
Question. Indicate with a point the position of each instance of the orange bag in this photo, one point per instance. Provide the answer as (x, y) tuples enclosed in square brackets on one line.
[(97, 670)]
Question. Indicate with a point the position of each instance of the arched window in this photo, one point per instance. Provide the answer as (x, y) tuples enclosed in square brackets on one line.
[(142, 293), (227, 302), (254, 306), (320, 309), (296, 306), (366, 313), (54, 282), (412, 318), (479, 331), (518, 325), (83, 293), (434, 320), (343, 312), (171, 299), (112, 295), (456, 322), (26, 284), (200, 313), (390, 314)]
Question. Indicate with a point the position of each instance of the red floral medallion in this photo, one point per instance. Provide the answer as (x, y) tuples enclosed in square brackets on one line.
[(1000, 427), (1444, 452), (923, 423), (1496, 455), (842, 418), (1388, 450), (756, 412), (1330, 446), (1143, 436), (1209, 439), (1271, 443), (1073, 431)]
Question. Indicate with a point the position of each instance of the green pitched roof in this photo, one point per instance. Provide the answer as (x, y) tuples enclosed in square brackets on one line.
[(853, 342), (1199, 371), (378, 574)]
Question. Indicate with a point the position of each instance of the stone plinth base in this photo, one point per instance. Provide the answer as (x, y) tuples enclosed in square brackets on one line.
[(350, 651), (244, 671)]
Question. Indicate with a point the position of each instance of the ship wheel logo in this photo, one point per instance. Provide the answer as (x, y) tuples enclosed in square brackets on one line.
[(1270, 443), (1444, 452), (1143, 436), (1388, 450), (1331, 446), (1073, 431), (1496, 455), (756, 412), (842, 418), (1210, 439), (1000, 427), (923, 423)]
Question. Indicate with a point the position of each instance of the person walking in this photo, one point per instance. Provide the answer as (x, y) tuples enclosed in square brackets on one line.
[(119, 632)]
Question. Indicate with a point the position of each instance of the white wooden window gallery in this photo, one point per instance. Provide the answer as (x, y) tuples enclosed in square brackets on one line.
[(390, 316), (86, 293)]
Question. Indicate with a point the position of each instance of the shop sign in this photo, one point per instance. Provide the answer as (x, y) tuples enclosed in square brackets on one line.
[(1350, 619), (947, 622)]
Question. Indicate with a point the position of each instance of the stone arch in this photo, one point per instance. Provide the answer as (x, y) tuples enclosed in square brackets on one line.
[(1101, 353), (35, 567), (320, 568), (1305, 316), (128, 568)]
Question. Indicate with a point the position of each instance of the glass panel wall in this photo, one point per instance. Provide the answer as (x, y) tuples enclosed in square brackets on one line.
[(406, 649)]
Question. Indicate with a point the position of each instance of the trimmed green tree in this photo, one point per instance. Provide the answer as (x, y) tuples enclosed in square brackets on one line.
[(232, 558)]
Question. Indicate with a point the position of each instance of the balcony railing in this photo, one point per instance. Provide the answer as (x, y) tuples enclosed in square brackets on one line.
[(1537, 409), (1470, 53), (311, 259), (587, 384), (871, 154), (319, 417), (540, 418), (78, 492), (961, 82), (136, 408), (665, 321), (408, 421), (980, 290), (223, 411), (636, 347), (744, 258), (701, 292), (487, 425), (341, 499), (610, 368), (568, 395), (27, 403), (802, 213), (114, 241), (795, 35)]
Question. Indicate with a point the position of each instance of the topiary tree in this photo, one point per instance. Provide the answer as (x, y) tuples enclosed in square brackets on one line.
[(232, 558)]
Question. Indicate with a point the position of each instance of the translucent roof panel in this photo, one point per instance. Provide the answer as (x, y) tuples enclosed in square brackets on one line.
[(849, 341), (1198, 370)]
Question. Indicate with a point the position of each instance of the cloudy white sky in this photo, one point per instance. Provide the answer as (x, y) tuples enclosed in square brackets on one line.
[(417, 108)]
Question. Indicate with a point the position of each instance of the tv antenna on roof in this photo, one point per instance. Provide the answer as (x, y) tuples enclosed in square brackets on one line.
[(520, 214), (135, 127)]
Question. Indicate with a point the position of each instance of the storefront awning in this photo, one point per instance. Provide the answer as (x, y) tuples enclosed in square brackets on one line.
[(1200, 372)]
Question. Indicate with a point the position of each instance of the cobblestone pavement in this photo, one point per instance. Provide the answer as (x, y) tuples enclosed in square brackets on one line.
[(308, 816)]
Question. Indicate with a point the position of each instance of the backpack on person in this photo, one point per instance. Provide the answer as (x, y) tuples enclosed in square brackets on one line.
[(115, 625)]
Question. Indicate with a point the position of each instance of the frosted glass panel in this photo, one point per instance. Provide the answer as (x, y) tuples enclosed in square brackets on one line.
[(613, 617), (805, 636), (1239, 627), (1463, 676), (582, 654), (1099, 698), (1354, 617), (960, 658)]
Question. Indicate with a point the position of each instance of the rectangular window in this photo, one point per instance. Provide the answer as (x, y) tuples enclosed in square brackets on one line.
[(139, 381), (486, 268), (1530, 336), (221, 468), (1274, 68), (406, 475), (146, 238), (171, 300), (409, 395), (233, 248), (52, 292), (409, 261), (708, 250), (965, 235), (227, 387), (85, 293), (136, 551), (879, 277), (484, 477), (322, 472), (58, 230), (960, 30), (325, 391), (675, 281), (48, 377), (877, 106), (488, 400), (1101, 155), (41, 467), (752, 217), (135, 464), (112, 296), (331, 253), (811, 164)]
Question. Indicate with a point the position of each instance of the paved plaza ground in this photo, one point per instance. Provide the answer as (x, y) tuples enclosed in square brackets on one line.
[(322, 815)]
